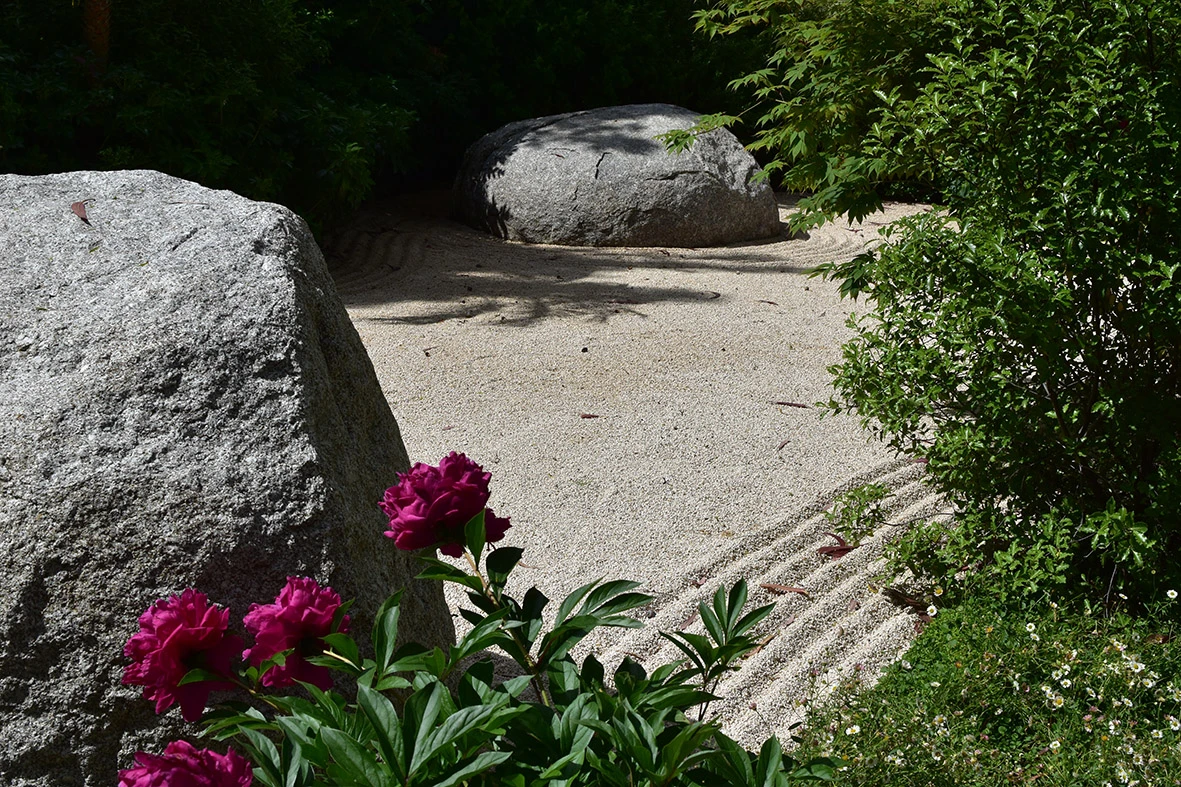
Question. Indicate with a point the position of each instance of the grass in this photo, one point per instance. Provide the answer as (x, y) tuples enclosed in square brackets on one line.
[(994, 694)]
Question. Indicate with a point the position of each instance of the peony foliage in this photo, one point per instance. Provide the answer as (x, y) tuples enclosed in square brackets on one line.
[(382, 714)]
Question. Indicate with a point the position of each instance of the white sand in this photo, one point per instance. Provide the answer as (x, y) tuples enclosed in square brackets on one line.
[(690, 473)]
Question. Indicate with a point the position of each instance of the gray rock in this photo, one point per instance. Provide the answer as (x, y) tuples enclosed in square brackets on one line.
[(183, 403), (600, 178)]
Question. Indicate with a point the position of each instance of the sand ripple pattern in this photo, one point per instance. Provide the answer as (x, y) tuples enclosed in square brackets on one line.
[(843, 628), (648, 413)]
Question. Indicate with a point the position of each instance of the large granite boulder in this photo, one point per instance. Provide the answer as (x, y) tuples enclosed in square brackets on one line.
[(601, 178), (183, 403)]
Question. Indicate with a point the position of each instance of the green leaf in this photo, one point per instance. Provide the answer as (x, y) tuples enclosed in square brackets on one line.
[(338, 615), (199, 675), (344, 645), (387, 728), (265, 756), (767, 770), (752, 619), (385, 631), (711, 621), (483, 635), (445, 572), (735, 764), (482, 762), (606, 591), (500, 563), (572, 600), (455, 727), (733, 610), (422, 710), (359, 763), (475, 536)]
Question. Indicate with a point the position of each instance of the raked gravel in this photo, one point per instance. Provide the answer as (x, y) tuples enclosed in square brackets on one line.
[(648, 414)]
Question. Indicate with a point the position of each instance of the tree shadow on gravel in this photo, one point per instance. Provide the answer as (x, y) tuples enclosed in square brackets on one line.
[(408, 259)]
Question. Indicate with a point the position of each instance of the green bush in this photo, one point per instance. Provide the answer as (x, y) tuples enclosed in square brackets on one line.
[(994, 695), (237, 95), (833, 66), (1028, 340)]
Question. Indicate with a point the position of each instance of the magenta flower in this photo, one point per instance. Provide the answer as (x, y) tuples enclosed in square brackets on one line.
[(300, 618), (430, 505), (176, 635), (182, 765)]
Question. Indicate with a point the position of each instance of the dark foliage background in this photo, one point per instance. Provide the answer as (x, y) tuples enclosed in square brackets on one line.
[(319, 105)]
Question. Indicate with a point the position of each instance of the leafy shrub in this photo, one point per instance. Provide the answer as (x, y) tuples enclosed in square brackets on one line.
[(995, 694), (858, 512), (832, 66), (234, 95), (1028, 340)]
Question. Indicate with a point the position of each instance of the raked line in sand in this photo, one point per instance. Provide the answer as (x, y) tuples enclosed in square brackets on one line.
[(637, 409)]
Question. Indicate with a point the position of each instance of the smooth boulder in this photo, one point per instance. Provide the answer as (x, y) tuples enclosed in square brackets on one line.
[(601, 178), (183, 403)]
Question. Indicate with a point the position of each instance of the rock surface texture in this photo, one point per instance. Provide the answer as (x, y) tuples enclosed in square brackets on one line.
[(600, 178), (183, 403)]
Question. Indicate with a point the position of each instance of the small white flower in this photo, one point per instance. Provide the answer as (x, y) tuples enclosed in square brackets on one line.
[(1135, 665), (1057, 702), (1055, 745), (1172, 594), (1066, 683), (1157, 734), (1174, 725), (905, 664), (1030, 627), (939, 592), (1035, 637), (852, 730), (932, 610), (938, 720), (935, 684)]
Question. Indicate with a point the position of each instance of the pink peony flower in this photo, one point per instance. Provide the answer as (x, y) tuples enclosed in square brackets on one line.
[(300, 617), (431, 505), (176, 635), (182, 765)]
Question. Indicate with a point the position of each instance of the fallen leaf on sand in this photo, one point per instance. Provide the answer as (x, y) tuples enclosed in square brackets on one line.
[(779, 590), (79, 209), (764, 642), (588, 415), (836, 553), (794, 404)]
